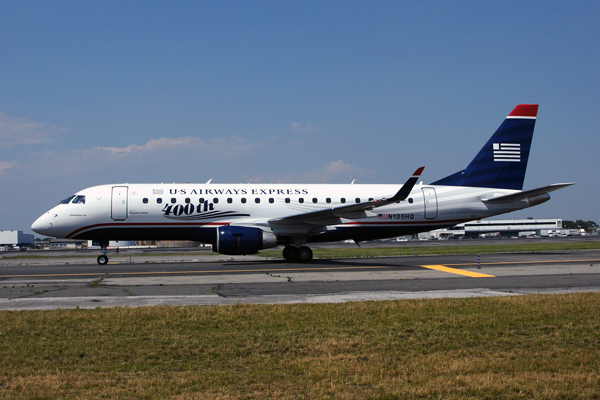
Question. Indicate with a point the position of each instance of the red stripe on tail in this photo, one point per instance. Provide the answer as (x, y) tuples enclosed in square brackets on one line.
[(524, 110)]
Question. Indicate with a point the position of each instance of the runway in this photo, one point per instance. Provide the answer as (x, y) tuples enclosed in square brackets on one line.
[(255, 280)]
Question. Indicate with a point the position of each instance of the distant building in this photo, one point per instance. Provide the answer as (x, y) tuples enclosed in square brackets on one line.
[(176, 243), (67, 244), (501, 228), (15, 239), (113, 244)]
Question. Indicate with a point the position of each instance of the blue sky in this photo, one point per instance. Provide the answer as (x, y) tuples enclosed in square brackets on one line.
[(290, 91)]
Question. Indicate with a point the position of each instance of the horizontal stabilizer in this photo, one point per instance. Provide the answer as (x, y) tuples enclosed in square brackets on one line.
[(527, 194)]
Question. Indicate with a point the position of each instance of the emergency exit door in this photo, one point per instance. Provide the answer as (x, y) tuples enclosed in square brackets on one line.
[(430, 199), (119, 203)]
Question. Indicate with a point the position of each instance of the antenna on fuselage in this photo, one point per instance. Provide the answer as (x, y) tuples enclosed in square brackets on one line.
[(352, 183), (208, 181)]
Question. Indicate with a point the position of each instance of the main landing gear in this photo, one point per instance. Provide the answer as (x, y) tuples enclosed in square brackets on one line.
[(301, 254)]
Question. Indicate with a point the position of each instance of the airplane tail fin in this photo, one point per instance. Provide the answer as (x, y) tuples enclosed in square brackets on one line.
[(502, 162)]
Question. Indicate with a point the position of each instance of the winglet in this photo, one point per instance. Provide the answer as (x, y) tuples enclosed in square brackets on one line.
[(407, 187), (353, 211)]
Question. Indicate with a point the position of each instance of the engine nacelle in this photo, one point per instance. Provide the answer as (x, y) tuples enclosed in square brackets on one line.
[(240, 240)]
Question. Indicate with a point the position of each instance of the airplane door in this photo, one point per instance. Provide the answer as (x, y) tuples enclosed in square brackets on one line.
[(119, 203), (430, 199)]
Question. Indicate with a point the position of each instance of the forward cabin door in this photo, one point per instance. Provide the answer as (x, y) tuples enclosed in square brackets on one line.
[(119, 203), (430, 198)]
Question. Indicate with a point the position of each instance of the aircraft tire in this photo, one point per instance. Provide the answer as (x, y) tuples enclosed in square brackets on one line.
[(103, 259), (305, 254), (290, 253)]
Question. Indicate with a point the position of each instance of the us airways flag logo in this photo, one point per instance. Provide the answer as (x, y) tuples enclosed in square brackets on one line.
[(510, 152)]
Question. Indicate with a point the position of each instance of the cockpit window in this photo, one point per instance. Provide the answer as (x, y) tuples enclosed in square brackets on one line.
[(67, 200), (79, 200)]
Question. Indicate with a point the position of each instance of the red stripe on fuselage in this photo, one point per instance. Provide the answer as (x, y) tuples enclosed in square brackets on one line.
[(396, 222), (179, 224), (144, 224)]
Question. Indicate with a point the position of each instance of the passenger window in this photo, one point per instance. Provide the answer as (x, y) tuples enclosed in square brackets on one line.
[(187, 200), (79, 200), (229, 200), (257, 200), (315, 200), (271, 200), (173, 200), (215, 200), (357, 200), (159, 200), (300, 200), (287, 199), (201, 200), (410, 200), (343, 200), (370, 199), (145, 200), (243, 200), (328, 200)]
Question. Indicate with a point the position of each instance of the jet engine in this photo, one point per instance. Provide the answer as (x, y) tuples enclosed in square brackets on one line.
[(240, 240)]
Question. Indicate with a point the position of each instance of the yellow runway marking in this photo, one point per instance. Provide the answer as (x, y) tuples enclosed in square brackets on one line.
[(457, 271)]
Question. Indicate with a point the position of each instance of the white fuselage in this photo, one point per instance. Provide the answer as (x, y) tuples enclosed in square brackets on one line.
[(194, 211)]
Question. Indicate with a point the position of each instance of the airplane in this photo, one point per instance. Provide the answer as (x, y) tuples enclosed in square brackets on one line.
[(240, 219)]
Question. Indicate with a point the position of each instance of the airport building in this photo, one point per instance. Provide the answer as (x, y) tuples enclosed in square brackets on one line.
[(10, 239), (501, 228)]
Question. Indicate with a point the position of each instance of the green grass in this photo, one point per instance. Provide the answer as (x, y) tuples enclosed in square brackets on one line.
[(403, 250), (360, 252), (545, 347)]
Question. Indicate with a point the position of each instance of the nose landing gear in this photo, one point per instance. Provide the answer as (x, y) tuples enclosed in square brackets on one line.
[(103, 258)]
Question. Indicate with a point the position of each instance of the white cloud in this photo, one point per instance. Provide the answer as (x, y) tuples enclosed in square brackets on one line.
[(6, 165), (21, 131), (154, 145), (297, 126), (336, 172), (167, 155), (215, 147)]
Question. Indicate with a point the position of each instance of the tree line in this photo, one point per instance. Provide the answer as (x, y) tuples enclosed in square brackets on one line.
[(579, 224)]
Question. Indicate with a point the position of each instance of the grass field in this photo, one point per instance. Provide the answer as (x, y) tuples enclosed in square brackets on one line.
[(545, 347), (407, 250)]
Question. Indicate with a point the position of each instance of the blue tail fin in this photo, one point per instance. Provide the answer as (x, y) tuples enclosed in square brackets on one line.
[(502, 162)]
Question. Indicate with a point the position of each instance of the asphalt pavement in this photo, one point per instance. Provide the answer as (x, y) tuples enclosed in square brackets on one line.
[(158, 277)]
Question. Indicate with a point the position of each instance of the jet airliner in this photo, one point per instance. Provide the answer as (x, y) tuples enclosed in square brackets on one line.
[(240, 219)]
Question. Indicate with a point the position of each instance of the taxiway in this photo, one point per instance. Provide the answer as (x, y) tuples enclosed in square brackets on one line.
[(256, 280)]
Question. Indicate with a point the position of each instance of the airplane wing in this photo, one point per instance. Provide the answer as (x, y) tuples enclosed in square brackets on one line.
[(523, 195), (332, 215)]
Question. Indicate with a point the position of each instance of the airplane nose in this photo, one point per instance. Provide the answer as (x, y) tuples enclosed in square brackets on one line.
[(42, 225)]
